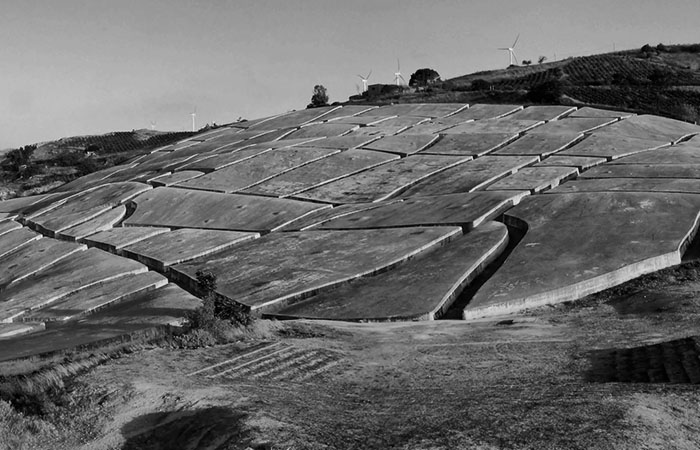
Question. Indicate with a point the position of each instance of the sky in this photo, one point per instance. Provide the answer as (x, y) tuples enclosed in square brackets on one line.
[(76, 67)]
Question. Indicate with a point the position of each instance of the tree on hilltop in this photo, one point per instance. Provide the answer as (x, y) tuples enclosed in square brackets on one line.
[(423, 77), (319, 98)]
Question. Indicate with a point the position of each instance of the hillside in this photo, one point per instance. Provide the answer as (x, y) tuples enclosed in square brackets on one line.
[(662, 80)]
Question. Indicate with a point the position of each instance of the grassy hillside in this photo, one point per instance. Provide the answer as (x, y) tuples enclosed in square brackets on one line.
[(663, 80)]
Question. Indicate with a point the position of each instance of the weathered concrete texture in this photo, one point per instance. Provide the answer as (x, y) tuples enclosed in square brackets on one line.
[(10, 330), (251, 171), (616, 237), (341, 142), (420, 289), (474, 144), (70, 274), (466, 210), (86, 205), (580, 162), (96, 297), (587, 111), (484, 111), (376, 131), (17, 205), (172, 178), (324, 215), (162, 307), (322, 130), (682, 186), (8, 216), (574, 125), (644, 171), (494, 126), (117, 238), (382, 182), (535, 179), (419, 109), (401, 122), (612, 147), (104, 221), (364, 120), (293, 119), (227, 140), (347, 111), (319, 172), (219, 161), (33, 257), (436, 126), (184, 208), (9, 225), (653, 128), (166, 249), (680, 154), (541, 145), (94, 179), (16, 238), (403, 144), (283, 267), (470, 176), (544, 113)]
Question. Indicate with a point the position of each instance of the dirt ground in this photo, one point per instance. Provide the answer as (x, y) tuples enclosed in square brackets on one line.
[(573, 376)]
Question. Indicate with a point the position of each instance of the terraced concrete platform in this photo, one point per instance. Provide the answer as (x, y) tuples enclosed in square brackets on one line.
[(387, 222)]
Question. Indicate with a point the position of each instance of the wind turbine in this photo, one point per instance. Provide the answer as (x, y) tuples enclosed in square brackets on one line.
[(364, 80), (397, 75), (153, 124), (194, 114), (511, 52)]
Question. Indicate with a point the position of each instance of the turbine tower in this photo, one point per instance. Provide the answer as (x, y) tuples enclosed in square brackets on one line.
[(153, 124), (194, 114), (397, 75), (364, 80), (511, 52)]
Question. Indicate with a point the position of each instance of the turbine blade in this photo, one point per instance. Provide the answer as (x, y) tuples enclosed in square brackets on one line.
[(516, 41), (370, 73)]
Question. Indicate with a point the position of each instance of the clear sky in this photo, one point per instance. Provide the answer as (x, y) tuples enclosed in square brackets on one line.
[(72, 67)]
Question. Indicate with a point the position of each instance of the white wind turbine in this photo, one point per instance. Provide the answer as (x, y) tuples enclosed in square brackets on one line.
[(511, 52), (397, 75), (365, 80), (194, 115), (153, 124)]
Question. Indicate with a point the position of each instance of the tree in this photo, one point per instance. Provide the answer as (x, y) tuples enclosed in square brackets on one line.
[(320, 97), (20, 163), (527, 62), (480, 84), (541, 59), (423, 77), (548, 92)]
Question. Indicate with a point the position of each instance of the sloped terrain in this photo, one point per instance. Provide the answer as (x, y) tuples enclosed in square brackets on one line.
[(401, 212)]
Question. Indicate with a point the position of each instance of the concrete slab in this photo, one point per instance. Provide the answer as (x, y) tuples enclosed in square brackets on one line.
[(574, 125), (166, 249), (319, 217), (420, 109), (544, 113), (243, 174), (403, 144), (15, 239), (283, 267), (70, 274), (104, 221), (95, 179), (654, 128), (117, 238), (466, 210), (19, 204), (618, 236), (587, 111), (644, 171), (580, 162), (376, 131), (611, 146), (541, 145), (294, 119), (347, 111), (677, 155), (90, 300), (341, 142), (184, 208), (421, 289), (85, 206), (401, 122), (474, 144), (672, 185), (7, 216), (484, 111), (219, 161), (322, 130), (382, 182), (226, 140), (33, 257), (172, 178), (364, 120), (10, 330), (470, 176), (9, 225), (494, 126), (436, 126), (535, 179), (320, 172)]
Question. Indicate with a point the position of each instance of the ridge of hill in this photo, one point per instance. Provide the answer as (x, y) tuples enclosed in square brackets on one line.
[(662, 80)]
